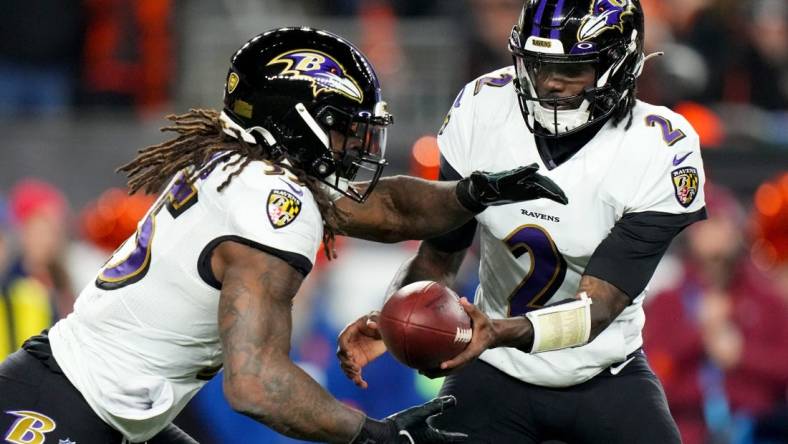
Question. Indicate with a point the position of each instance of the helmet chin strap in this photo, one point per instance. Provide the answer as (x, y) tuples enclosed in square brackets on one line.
[(231, 128), (644, 59), (235, 130)]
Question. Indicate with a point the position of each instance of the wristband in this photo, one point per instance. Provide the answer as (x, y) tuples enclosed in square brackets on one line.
[(561, 326)]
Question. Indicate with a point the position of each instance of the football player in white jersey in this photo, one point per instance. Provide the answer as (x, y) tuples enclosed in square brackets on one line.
[(208, 279), (558, 312)]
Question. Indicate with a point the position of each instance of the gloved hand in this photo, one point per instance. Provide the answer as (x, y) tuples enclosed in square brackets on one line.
[(410, 426), (482, 189)]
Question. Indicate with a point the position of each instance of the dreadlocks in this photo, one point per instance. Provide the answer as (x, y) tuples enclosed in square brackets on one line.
[(625, 109), (200, 137)]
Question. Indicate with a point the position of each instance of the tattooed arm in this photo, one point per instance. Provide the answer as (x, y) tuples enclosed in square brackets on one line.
[(404, 207), (260, 380)]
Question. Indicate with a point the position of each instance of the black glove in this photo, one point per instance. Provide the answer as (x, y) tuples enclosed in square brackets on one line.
[(482, 189), (409, 426)]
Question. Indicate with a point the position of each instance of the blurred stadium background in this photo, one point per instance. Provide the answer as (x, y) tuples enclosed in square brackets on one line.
[(85, 83)]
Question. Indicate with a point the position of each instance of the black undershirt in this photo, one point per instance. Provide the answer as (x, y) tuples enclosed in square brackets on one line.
[(555, 151), (628, 256)]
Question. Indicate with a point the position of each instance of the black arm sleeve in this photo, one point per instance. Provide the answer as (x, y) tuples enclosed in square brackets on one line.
[(462, 237), (631, 252)]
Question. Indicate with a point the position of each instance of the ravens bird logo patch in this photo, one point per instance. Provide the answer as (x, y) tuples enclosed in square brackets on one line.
[(283, 208), (685, 184)]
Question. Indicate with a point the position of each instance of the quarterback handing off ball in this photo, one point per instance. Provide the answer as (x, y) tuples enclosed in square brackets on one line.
[(423, 324)]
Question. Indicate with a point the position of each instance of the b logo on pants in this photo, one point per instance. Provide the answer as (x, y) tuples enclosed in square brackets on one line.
[(30, 428)]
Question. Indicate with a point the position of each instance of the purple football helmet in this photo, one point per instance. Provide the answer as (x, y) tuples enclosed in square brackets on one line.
[(294, 90), (605, 34)]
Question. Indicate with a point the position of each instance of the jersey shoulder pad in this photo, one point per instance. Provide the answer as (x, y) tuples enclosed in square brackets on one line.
[(478, 108), (658, 127), (486, 90), (489, 90), (261, 174), (661, 153), (266, 198)]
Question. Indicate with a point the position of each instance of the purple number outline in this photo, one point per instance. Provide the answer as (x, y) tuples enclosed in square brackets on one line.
[(497, 82), (133, 267), (181, 193), (137, 261), (547, 272), (181, 196), (669, 135), (446, 119)]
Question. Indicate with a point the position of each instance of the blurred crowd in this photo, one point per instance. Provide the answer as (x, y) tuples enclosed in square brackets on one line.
[(124, 52), (716, 50), (60, 55), (716, 331), (48, 252)]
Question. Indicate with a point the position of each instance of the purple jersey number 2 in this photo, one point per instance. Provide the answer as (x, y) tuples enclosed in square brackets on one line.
[(669, 135), (546, 273)]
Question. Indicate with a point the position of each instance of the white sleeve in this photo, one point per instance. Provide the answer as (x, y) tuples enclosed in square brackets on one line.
[(454, 135), (275, 215), (669, 175)]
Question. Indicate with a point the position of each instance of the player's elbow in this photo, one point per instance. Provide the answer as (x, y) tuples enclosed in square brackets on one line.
[(248, 396), (603, 313), (238, 394), (261, 394)]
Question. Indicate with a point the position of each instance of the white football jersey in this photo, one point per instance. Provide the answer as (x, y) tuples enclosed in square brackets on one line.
[(144, 338), (534, 253)]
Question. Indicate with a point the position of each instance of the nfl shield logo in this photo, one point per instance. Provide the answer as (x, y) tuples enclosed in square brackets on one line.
[(283, 208), (685, 185)]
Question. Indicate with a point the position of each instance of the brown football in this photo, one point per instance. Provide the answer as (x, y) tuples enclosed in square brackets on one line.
[(423, 324)]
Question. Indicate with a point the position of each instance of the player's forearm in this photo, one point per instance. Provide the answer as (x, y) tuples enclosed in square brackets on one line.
[(403, 208), (607, 303), (259, 379), (422, 209), (428, 264), (516, 332), (283, 397)]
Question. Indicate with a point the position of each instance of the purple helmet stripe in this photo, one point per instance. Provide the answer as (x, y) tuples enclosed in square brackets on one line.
[(537, 20), (559, 9)]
